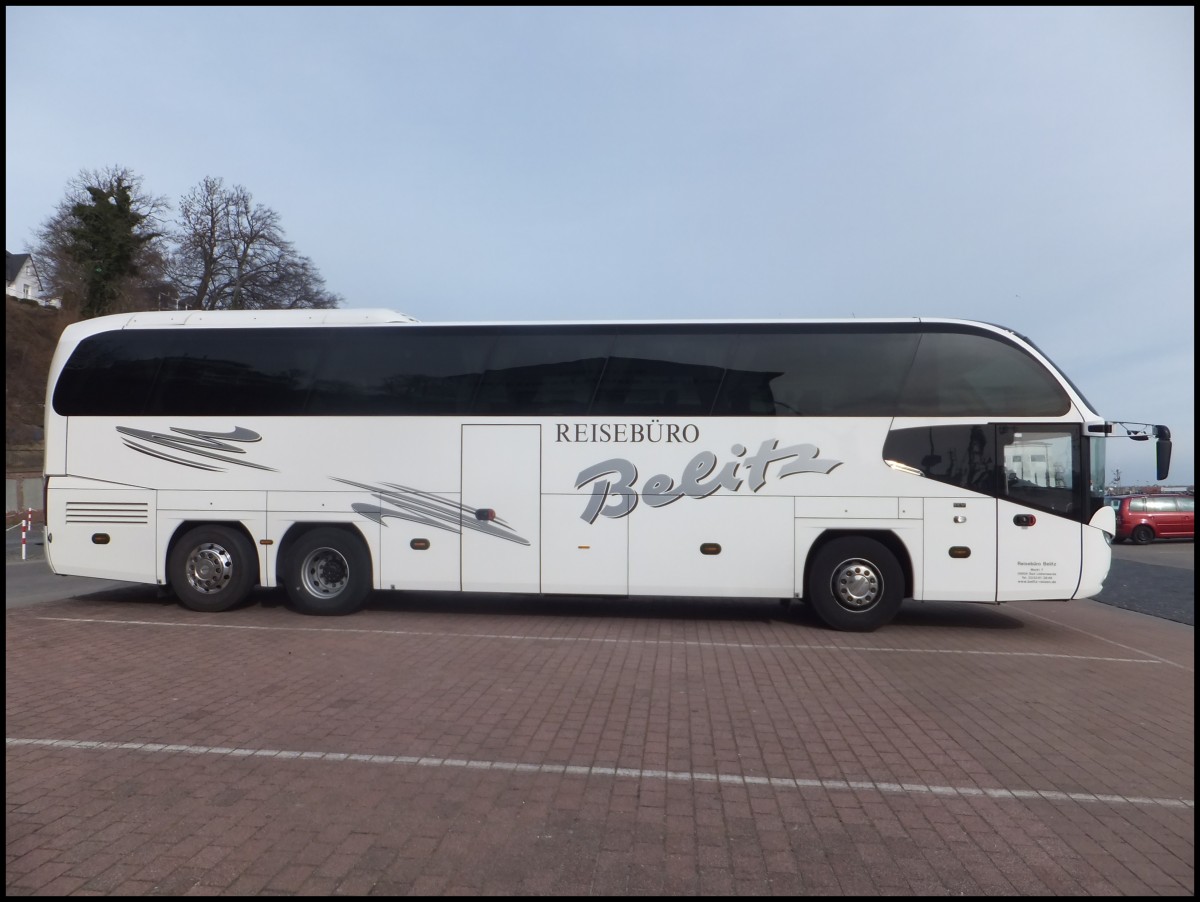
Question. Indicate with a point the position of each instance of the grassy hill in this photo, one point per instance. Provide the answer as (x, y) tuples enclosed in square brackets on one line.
[(30, 335)]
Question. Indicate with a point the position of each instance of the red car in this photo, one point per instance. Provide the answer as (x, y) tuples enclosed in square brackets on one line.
[(1144, 518)]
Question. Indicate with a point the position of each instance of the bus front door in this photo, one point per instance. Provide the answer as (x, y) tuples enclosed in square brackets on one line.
[(501, 508), (1039, 533), (1040, 554)]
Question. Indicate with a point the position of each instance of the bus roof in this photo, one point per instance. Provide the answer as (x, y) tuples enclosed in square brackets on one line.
[(378, 316)]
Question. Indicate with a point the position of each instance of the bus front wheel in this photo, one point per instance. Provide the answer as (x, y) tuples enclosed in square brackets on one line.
[(328, 571), (855, 584), (212, 568)]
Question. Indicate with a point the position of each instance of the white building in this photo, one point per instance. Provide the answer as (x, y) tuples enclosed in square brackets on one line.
[(23, 281)]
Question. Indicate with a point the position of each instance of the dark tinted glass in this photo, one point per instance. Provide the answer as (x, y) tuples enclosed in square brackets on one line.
[(398, 372), (110, 374), (957, 375), (630, 370), (965, 456), (231, 372), (1035, 466), (664, 374), (816, 374), (543, 373)]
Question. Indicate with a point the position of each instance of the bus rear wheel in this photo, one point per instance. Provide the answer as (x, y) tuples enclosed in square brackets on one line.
[(855, 584), (212, 568), (328, 572)]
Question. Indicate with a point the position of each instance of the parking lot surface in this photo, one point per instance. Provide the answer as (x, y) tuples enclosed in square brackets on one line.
[(496, 745)]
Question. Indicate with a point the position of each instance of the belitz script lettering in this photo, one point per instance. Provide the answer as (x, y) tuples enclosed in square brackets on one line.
[(614, 482)]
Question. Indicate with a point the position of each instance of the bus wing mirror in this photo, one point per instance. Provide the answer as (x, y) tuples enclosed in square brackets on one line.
[(1162, 451)]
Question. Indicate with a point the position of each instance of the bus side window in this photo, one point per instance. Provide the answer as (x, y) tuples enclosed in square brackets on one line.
[(957, 455), (112, 374), (542, 374), (956, 374), (665, 375), (397, 372), (246, 372)]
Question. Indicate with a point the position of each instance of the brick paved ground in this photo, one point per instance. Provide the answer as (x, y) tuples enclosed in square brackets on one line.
[(440, 745)]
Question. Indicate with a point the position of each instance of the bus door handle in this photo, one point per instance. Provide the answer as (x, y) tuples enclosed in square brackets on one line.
[(1024, 519)]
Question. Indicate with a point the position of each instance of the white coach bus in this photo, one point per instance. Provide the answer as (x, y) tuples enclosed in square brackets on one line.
[(848, 463)]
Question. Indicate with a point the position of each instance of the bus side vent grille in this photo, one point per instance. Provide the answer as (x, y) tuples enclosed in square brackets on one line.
[(132, 512)]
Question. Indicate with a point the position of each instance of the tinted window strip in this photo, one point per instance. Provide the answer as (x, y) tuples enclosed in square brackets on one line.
[(121, 373)]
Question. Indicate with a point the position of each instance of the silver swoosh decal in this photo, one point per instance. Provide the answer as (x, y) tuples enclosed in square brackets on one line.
[(197, 442), (401, 502)]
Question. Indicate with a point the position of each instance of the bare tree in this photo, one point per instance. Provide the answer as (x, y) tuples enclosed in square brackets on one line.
[(103, 243), (231, 254)]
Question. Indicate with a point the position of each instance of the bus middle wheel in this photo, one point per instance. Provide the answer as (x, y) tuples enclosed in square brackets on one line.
[(328, 572)]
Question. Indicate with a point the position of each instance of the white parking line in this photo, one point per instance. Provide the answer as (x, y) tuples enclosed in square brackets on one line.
[(1105, 639), (506, 637), (617, 772)]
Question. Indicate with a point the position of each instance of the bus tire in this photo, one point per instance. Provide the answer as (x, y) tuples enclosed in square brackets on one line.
[(212, 568), (855, 584), (328, 572), (1142, 535)]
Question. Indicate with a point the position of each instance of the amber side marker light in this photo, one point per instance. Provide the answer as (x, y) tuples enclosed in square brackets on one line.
[(419, 544), (960, 551), (710, 548)]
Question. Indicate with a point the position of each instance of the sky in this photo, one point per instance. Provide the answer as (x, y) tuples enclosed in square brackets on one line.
[(1030, 167)]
